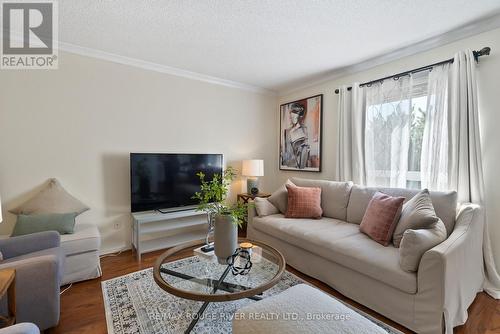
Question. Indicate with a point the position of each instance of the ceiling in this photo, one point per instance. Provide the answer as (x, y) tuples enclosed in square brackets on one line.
[(273, 44)]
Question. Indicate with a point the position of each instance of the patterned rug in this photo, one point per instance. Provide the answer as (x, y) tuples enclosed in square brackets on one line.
[(134, 304)]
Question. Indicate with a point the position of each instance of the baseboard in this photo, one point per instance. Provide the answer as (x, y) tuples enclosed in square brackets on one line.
[(114, 250)]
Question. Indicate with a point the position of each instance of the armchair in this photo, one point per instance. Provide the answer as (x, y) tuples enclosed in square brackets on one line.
[(38, 260)]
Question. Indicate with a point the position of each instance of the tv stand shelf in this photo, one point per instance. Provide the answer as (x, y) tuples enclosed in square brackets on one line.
[(153, 230)]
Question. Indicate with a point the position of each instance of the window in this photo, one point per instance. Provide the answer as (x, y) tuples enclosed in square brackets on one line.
[(395, 120), (417, 124)]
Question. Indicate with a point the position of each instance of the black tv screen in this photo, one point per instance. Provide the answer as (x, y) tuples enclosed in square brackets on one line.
[(168, 180)]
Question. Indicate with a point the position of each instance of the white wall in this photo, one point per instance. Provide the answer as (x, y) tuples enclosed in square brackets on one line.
[(489, 101), (80, 122)]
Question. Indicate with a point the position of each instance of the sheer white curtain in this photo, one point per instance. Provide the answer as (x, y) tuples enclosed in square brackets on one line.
[(465, 165), (435, 156), (343, 168), (387, 132), (350, 162)]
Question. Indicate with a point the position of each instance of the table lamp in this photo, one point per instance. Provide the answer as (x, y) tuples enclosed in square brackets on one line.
[(0, 210), (252, 169)]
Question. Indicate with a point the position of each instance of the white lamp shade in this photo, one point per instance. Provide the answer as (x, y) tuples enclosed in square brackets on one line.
[(0, 210), (252, 168)]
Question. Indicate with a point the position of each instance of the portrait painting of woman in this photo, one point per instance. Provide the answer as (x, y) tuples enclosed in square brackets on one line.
[(300, 134)]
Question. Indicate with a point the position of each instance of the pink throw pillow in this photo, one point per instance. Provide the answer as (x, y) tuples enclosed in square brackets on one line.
[(303, 202), (381, 217)]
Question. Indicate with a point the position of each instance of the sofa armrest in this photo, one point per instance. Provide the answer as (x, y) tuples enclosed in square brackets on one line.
[(29, 243), (451, 274), (37, 288), (252, 212)]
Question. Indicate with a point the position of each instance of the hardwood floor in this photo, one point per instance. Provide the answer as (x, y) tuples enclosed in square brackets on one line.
[(82, 309)]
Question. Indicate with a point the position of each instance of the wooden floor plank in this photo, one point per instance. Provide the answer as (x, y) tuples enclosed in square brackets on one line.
[(82, 307)]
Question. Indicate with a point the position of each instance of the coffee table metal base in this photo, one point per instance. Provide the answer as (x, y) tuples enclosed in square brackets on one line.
[(215, 284)]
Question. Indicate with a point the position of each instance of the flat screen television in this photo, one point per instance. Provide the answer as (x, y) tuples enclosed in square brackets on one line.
[(168, 181)]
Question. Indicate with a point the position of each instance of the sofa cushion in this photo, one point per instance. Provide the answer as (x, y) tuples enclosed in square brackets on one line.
[(64, 223), (85, 239), (417, 213), (334, 195), (416, 242), (445, 203), (342, 243), (381, 217), (279, 198), (296, 230), (53, 198), (264, 207), (303, 202)]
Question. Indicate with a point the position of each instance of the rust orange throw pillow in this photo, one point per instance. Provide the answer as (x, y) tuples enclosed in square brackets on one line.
[(303, 202), (381, 217)]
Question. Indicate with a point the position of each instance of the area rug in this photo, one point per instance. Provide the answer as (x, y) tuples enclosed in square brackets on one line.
[(134, 304)]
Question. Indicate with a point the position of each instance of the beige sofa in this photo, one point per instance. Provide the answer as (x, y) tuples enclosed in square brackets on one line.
[(432, 300)]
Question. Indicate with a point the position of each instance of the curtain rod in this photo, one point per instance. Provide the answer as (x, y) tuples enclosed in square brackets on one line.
[(483, 52)]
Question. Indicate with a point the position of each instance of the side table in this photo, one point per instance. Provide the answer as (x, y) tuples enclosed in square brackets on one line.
[(8, 285), (245, 198)]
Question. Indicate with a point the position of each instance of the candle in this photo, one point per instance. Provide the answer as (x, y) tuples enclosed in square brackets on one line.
[(247, 246)]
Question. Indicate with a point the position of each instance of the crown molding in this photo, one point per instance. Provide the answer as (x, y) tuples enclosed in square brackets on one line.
[(115, 58), (462, 32)]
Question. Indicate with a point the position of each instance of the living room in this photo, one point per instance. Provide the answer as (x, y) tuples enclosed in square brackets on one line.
[(342, 141)]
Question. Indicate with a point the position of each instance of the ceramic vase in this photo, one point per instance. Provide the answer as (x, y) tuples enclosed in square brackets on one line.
[(225, 237)]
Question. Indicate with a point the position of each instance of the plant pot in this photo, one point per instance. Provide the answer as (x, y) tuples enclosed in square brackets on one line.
[(225, 237)]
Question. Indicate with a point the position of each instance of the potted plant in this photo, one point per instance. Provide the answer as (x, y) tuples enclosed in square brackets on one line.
[(212, 199)]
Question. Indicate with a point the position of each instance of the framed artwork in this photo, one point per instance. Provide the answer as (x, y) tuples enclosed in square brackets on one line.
[(300, 134)]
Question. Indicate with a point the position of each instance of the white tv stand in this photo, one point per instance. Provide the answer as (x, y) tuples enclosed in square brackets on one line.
[(153, 230)]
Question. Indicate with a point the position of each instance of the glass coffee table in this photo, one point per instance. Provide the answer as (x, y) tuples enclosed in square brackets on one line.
[(202, 278)]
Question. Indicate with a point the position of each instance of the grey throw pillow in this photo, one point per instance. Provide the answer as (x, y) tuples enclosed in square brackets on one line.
[(416, 242), (334, 195), (264, 207), (417, 213), (279, 198), (53, 198), (64, 223)]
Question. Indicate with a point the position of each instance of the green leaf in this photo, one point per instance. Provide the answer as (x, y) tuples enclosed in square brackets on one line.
[(212, 196)]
